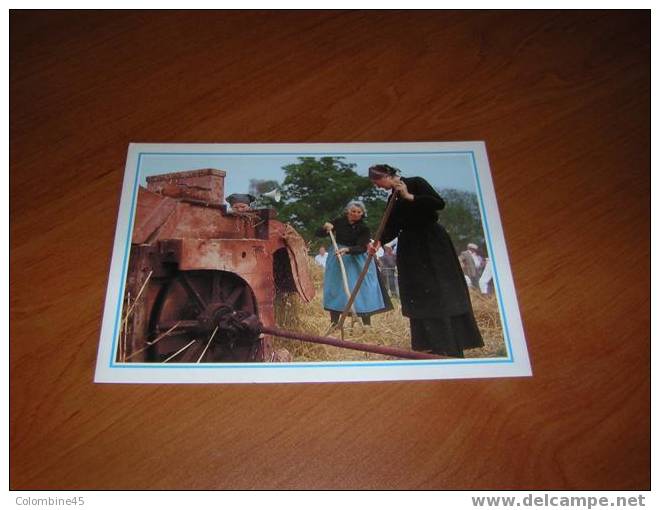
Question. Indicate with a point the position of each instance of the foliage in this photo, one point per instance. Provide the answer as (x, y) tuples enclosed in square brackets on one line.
[(316, 190), (461, 218)]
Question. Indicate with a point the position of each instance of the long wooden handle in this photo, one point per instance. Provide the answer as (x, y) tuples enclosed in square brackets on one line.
[(380, 349), (344, 276), (370, 256)]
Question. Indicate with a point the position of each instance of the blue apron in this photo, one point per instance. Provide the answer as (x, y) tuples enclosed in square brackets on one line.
[(370, 297)]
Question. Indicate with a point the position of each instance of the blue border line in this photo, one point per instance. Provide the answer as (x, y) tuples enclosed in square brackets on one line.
[(302, 364), (120, 298), (347, 364)]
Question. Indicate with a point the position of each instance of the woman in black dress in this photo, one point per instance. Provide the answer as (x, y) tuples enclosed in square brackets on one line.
[(434, 295)]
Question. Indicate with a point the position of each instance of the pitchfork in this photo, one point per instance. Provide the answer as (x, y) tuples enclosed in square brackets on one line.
[(344, 278)]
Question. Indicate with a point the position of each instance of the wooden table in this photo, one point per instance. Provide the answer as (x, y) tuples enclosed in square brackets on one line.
[(562, 100)]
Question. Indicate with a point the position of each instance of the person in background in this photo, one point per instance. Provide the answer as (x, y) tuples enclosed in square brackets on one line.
[(387, 263), (322, 257), (473, 263), (352, 235), (432, 287), (240, 203), (468, 281), (393, 244), (486, 277)]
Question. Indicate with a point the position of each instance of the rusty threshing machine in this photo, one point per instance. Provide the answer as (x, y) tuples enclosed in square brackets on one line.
[(202, 280)]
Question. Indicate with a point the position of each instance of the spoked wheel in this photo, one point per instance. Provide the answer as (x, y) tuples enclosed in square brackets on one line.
[(200, 317)]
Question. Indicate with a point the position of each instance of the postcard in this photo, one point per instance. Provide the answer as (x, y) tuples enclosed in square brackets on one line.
[(260, 263)]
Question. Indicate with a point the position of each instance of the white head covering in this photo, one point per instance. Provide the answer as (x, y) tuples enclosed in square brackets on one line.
[(356, 203)]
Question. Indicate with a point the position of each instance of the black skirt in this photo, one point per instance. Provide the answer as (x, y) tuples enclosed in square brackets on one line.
[(434, 295), (447, 336)]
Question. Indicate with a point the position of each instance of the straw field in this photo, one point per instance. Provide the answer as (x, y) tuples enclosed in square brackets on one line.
[(389, 328)]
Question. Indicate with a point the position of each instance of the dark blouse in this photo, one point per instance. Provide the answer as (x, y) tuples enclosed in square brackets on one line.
[(415, 214), (355, 236)]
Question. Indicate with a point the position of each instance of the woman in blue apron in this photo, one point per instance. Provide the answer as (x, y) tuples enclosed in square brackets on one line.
[(352, 236)]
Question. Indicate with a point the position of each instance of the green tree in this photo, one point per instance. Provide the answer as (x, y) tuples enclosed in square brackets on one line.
[(461, 218), (316, 190)]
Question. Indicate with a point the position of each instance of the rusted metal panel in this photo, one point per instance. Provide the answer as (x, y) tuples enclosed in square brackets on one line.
[(298, 259), (250, 259), (241, 256), (206, 185), (152, 211), (193, 220)]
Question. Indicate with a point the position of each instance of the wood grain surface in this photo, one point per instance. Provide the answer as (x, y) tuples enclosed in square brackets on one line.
[(562, 100)]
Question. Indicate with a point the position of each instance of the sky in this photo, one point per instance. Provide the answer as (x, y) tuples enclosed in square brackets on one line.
[(449, 170)]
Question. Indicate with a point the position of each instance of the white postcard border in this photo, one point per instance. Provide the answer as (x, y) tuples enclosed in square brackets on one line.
[(516, 364)]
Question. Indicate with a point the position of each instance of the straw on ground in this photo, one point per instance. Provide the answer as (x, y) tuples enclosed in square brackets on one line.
[(389, 328)]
